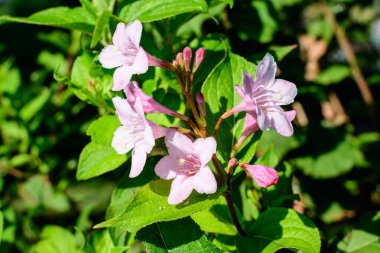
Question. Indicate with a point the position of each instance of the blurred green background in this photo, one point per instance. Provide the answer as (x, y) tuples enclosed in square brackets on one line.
[(334, 153)]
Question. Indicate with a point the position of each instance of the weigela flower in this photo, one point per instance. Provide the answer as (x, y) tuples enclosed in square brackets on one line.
[(187, 164), (132, 90), (263, 176), (125, 54), (264, 96), (136, 133)]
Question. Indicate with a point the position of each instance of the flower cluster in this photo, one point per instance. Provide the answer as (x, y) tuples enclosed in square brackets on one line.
[(191, 150)]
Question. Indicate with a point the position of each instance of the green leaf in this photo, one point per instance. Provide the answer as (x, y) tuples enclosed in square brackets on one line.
[(219, 93), (333, 74), (102, 5), (359, 241), (101, 28), (34, 106), (98, 157), (281, 228), (69, 18), (95, 160), (331, 163), (1, 225), (175, 237), (91, 83), (101, 130), (56, 239), (153, 10), (150, 205), (216, 219)]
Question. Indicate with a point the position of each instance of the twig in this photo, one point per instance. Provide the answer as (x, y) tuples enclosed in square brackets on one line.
[(351, 58)]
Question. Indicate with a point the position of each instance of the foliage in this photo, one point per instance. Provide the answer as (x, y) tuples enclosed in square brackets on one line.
[(64, 188)]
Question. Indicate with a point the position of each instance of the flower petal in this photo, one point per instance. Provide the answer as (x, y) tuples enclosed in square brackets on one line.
[(262, 119), (179, 145), (119, 37), (205, 148), (110, 57), (140, 64), (158, 131), (166, 168), (266, 71), (138, 161), (248, 83), (280, 123), (133, 32), (121, 77), (121, 141), (286, 91), (204, 181), (181, 189), (240, 91), (290, 115), (123, 110)]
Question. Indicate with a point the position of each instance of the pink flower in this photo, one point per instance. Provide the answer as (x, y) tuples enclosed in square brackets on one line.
[(132, 91), (187, 164), (264, 96), (125, 54), (136, 133), (263, 176)]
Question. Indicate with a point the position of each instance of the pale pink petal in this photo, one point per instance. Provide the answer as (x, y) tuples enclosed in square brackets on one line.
[(140, 64), (158, 131), (139, 107), (240, 91), (205, 148), (121, 140), (280, 123), (286, 91), (123, 109), (179, 145), (290, 115), (121, 77), (262, 119), (181, 188), (138, 161), (119, 37), (263, 176), (250, 125), (204, 181), (248, 83), (166, 168), (110, 57), (133, 32), (266, 71), (245, 105)]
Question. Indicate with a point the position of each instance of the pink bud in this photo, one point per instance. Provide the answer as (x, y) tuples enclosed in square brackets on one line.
[(179, 60), (232, 162), (201, 103), (199, 56), (263, 176), (187, 53)]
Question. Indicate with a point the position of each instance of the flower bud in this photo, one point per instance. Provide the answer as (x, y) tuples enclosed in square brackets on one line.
[(179, 60), (199, 56), (187, 53), (201, 104), (263, 176)]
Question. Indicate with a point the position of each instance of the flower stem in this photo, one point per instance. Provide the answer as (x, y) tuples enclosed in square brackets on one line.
[(217, 125), (234, 217), (219, 169)]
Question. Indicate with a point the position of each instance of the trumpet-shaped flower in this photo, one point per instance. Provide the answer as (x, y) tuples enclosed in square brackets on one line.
[(132, 90), (264, 97), (136, 133), (263, 176), (125, 54), (187, 164)]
